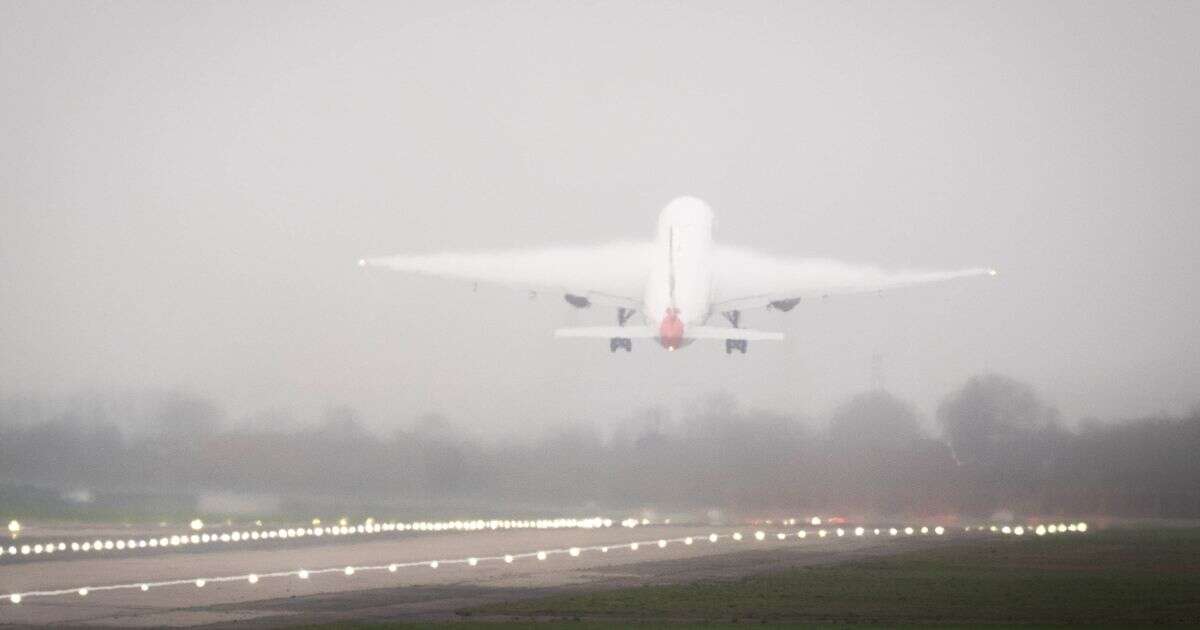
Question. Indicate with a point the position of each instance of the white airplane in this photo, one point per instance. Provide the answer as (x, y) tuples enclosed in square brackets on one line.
[(677, 282)]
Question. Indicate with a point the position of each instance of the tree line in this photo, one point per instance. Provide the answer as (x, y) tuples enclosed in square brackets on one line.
[(997, 446)]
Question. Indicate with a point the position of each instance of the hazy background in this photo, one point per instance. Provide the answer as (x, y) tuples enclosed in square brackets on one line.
[(185, 188)]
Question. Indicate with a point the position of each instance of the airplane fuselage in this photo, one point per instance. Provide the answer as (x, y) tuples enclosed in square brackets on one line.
[(679, 289)]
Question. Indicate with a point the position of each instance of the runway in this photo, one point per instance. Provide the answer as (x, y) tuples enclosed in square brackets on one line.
[(226, 583)]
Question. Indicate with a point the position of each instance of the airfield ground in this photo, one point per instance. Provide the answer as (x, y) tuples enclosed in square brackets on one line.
[(1117, 576), (1122, 577)]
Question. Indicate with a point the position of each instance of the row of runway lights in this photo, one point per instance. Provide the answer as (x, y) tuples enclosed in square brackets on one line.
[(370, 527), (574, 552), (1040, 530), (342, 529)]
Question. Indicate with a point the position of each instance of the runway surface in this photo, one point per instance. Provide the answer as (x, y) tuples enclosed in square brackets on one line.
[(408, 592)]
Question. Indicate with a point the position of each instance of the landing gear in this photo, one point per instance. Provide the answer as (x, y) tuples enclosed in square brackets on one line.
[(734, 318), (620, 342), (617, 343)]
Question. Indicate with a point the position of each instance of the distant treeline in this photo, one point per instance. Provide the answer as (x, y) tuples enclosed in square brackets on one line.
[(1000, 447)]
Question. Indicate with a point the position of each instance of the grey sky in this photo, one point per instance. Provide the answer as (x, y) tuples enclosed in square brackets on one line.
[(186, 188)]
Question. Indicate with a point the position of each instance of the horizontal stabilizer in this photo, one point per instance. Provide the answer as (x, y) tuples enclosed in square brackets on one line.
[(608, 332), (741, 334)]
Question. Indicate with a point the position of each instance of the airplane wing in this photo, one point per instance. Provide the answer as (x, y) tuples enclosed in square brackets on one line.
[(608, 274), (745, 280)]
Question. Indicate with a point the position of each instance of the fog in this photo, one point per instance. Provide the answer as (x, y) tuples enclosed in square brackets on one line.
[(187, 188), (1001, 449)]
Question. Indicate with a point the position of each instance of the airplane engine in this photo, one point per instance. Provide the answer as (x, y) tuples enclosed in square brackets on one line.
[(784, 305), (578, 301)]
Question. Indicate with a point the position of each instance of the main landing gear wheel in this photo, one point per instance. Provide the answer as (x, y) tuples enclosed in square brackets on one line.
[(736, 344), (620, 342)]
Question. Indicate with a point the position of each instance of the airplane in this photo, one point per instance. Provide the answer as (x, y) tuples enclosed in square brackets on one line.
[(676, 282)]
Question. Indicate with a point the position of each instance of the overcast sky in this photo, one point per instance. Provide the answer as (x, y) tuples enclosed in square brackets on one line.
[(186, 187)]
